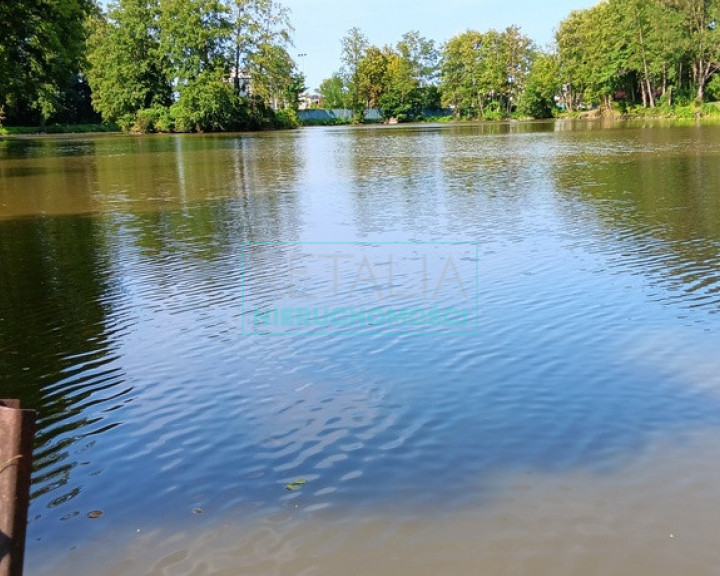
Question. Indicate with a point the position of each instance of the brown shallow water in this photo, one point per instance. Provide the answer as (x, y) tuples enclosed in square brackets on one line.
[(570, 424), (655, 516)]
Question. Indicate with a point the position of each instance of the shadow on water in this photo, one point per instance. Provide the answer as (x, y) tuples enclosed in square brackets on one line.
[(658, 210), (55, 341)]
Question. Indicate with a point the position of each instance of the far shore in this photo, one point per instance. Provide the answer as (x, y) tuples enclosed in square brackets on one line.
[(684, 115)]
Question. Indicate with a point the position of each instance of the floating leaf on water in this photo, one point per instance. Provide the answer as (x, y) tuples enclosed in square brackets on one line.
[(96, 514), (296, 485)]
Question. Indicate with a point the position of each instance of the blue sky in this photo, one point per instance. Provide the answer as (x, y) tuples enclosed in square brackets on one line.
[(320, 24)]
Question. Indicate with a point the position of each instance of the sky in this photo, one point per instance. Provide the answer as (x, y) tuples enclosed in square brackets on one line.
[(321, 24)]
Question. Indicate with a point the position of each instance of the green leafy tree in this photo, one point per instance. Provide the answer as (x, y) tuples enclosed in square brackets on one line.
[(42, 47), (713, 87), (421, 55), (293, 89), (606, 54), (635, 25), (701, 22), (159, 63), (275, 77), (458, 68), (354, 47), (483, 74), (206, 105), (592, 55), (646, 47), (334, 92), (402, 98), (256, 24), (541, 88), (650, 48), (570, 48), (372, 75), (519, 52), (193, 36), (128, 70)]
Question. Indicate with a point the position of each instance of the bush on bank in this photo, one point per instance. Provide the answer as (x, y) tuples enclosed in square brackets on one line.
[(209, 107)]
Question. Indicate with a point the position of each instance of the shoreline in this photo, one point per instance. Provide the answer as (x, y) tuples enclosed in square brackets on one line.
[(13, 132)]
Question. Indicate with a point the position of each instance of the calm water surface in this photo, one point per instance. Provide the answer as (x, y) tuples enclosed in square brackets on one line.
[(574, 430)]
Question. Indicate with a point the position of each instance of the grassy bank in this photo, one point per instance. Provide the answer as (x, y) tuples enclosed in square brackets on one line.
[(707, 110), (327, 122), (677, 112), (61, 129), (337, 122)]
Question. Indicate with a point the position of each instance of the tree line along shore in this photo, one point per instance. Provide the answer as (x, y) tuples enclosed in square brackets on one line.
[(222, 65)]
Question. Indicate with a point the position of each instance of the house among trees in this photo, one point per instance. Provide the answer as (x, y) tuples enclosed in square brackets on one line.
[(243, 81)]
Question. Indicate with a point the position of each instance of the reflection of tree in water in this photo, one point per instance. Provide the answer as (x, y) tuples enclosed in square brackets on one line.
[(662, 210), (394, 176), (178, 207), (265, 176), (417, 173), (55, 353), (207, 194)]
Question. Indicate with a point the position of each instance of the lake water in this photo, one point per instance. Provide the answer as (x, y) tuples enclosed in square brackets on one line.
[(203, 320)]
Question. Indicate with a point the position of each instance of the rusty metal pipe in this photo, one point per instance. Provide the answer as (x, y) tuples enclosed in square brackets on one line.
[(17, 433)]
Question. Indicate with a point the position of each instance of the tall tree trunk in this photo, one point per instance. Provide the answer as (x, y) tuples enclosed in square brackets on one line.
[(680, 75), (651, 97), (569, 101), (643, 92), (706, 72), (237, 68)]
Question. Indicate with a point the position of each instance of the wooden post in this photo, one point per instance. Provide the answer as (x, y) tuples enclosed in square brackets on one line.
[(17, 433)]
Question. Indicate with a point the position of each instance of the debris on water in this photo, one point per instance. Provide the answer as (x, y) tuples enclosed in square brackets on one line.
[(96, 514), (296, 485)]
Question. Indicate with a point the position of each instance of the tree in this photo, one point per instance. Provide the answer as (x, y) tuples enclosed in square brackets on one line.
[(402, 98), (592, 56), (713, 87), (519, 53), (42, 48), (256, 24), (155, 62), (541, 88), (421, 55), (274, 76), (128, 70), (570, 48), (334, 93), (650, 47), (208, 105), (702, 28), (372, 75), (457, 72), (193, 36), (484, 74), (354, 47)]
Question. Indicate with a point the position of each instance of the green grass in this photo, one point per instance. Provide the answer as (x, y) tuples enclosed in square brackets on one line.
[(676, 112), (438, 119), (327, 122), (337, 122), (62, 129)]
